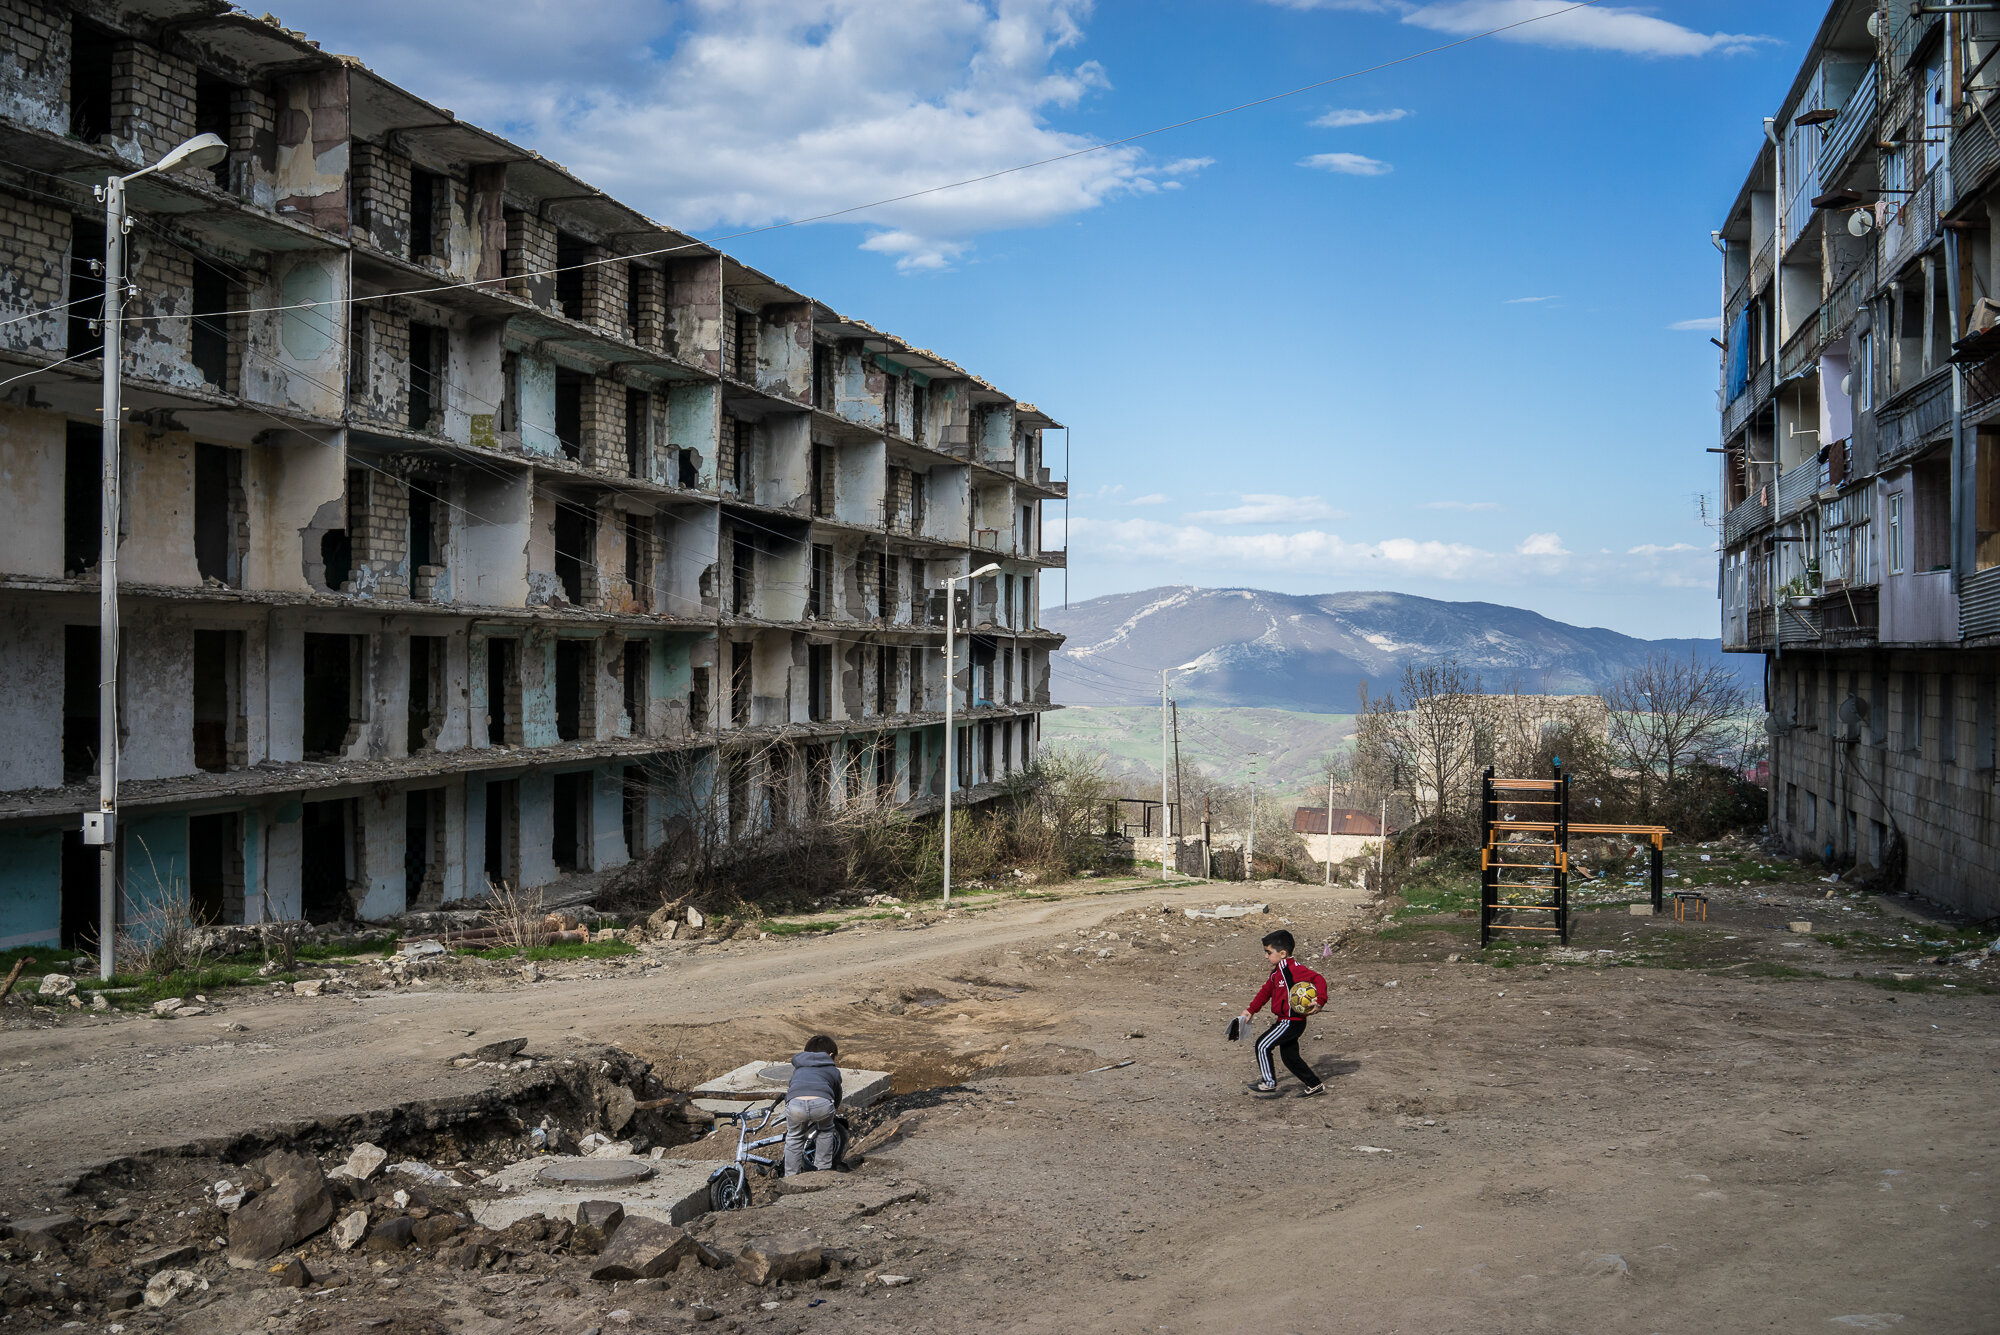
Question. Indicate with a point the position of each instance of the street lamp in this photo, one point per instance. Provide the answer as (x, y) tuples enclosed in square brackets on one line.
[(950, 695), (1166, 812), (100, 827)]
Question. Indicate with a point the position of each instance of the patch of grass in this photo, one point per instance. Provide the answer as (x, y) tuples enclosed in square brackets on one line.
[(559, 950), (1902, 984), (1765, 969), (1417, 931), (806, 928)]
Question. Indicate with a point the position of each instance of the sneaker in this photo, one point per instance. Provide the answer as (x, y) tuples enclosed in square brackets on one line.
[(1312, 1091), (1261, 1087)]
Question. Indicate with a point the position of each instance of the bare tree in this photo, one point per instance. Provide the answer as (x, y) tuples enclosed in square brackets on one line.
[(1668, 713), (1428, 739)]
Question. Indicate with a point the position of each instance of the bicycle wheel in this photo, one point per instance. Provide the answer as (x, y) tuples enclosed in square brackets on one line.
[(727, 1189)]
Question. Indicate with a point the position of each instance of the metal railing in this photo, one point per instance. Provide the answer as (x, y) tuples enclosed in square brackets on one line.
[(1756, 390), (1912, 227), (1761, 263), (1802, 347), (1979, 604), (1849, 129), (1745, 519), (1914, 416), (1910, 37), (1797, 488), (1975, 154), (1838, 311)]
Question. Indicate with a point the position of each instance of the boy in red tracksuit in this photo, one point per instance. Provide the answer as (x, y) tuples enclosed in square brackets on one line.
[(1285, 991)]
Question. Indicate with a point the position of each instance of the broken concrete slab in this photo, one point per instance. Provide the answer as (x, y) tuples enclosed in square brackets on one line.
[(39, 1230), (596, 1224), (784, 1259), (294, 1208), (675, 1192), (595, 1171), (1228, 911), (756, 1082), (642, 1249), (365, 1161), (505, 1050)]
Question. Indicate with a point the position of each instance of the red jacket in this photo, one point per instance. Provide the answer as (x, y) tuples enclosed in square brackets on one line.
[(1277, 989)]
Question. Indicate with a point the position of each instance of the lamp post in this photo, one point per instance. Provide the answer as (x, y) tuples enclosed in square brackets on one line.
[(100, 827), (950, 697), (1166, 812)]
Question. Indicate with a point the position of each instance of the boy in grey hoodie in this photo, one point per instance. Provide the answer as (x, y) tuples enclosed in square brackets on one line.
[(810, 1101)]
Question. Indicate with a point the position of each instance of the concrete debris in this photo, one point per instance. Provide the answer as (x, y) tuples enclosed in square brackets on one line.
[(1801, 927), (1228, 911), (642, 1249), (423, 1172), (168, 1285), (176, 1007), (99, 1002), (505, 1050), (310, 987), (391, 1235), (620, 1105), (163, 1258), (295, 1207), (417, 950), (229, 1196), (57, 985), (596, 1223), (40, 1230), (530, 973), (364, 1161), (351, 1229), (790, 1258), (891, 1281), (694, 918)]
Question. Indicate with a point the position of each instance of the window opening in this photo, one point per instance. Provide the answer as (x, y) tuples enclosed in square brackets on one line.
[(326, 857), (502, 830), (215, 868), (698, 698), (637, 789), (818, 595), (424, 190), (82, 702), (90, 49), (426, 711), (357, 354), (637, 685), (743, 574), (575, 541), (819, 682), (690, 470), (213, 99), (426, 375), (209, 330), (86, 288), (572, 792), (424, 547), (743, 465), (571, 252), (569, 413), (570, 668), (328, 703), (420, 835), (218, 517), (83, 496), (503, 693), (510, 391), (739, 683)]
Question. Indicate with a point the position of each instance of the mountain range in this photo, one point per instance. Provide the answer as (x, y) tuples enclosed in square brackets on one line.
[(1311, 652)]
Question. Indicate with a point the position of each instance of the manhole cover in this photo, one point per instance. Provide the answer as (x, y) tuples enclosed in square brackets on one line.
[(782, 1074), (596, 1173)]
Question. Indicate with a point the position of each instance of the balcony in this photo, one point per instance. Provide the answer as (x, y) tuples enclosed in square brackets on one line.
[(1979, 604), (1839, 310), (1908, 421), (1798, 488), (1849, 130), (1801, 350), (1054, 556), (1912, 227), (1744, 519), (1912, 39), (1761, 263), (1756, 391), (1798, 624), (1850, 618), (1919, 608)]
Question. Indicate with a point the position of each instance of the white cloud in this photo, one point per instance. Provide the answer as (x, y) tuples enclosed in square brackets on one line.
[(1460, 505), (1654, 549), (1527, 301), (1265, 509), (1328, 553), (1344, 117), (1561, 23), (717, 114), (1155, 498), (1707, 324), (1347, 164), (1541, 544)]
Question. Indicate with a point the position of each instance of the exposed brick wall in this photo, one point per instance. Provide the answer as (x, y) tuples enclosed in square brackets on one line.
[(152, 101), (649, 302), (381, 186), (531, 253), (382, 380), (605, 288), (159, 342), (36, 36), (381, 536), (604, 424), (253, 144), (313, 154), (34, 272)]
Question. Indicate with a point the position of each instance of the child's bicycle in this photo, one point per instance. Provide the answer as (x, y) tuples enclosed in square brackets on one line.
[(729, 1185)]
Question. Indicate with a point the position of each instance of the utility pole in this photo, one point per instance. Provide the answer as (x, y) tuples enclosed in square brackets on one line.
[(1166, 812), (1329, 827), (1178, 798), (950, 698), (1382, 842), (100, 827), (1250, 842)]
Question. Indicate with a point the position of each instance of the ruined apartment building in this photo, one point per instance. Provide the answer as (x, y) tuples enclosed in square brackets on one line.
[(474, 526), (1861, 445)]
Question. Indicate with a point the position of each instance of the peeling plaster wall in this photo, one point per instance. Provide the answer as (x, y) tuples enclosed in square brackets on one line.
[(784, 352), (996, 437), (154, 849), (685, 537), (158, 335), (543, 586), (784, 462), (537, 829), (784, 573), (694, 312), (951, 416), (285, 717), (948, 504), (380, 872), (33, 465), (284, 857), (474, 381), (538, 691), (694, 422), (157, 477), (31, 663), (771, 679), (492, 540), (858, 382), (36, 276), (860, 480), (35, 38), (536, 377), (312, 161), (287, 484), (607, 820), (297, 357)]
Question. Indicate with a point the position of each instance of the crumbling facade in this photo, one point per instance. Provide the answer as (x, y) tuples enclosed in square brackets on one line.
[(1860, 452), (474, 526)]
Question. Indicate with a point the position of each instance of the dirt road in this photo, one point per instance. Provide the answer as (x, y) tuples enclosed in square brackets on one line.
[(1505, 1149)]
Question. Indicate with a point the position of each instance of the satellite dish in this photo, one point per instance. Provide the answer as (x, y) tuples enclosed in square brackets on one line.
[(1875, 24), (1847, 384), (1854, 711), (1860, 222), (1777, 726)]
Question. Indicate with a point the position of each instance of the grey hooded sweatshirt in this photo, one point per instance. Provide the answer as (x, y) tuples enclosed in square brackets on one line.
[(814, 1075)]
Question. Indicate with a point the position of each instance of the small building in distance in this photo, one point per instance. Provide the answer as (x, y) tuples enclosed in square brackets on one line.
[(1354, 833)]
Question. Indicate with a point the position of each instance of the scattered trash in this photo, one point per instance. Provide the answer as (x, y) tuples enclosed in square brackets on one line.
[(1371, 1149), (1113, 1067)]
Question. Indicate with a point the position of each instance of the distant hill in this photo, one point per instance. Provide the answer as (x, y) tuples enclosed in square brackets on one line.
[(1311, 652)]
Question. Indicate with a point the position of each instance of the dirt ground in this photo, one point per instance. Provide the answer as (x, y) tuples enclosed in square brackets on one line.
[(1719, 1125)]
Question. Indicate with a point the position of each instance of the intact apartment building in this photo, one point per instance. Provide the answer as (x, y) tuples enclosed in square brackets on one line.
[(474, 526), (1860, 446)]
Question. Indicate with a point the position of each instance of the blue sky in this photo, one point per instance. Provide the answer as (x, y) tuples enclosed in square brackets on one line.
[(1436, 329)]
